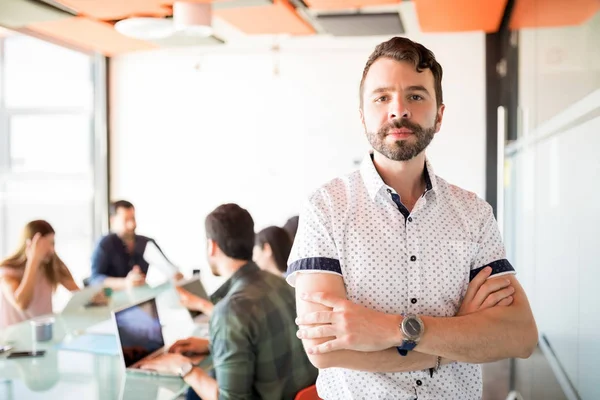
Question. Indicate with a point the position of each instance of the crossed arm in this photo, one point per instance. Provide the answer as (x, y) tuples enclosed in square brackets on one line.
[(338, 333)]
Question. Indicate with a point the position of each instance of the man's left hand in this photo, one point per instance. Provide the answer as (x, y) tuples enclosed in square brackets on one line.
[(354, 327), (166, 363)]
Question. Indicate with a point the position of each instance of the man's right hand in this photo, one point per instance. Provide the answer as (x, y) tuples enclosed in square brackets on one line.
[(190, 345), (485, 293), (195, 303), (135, 277)]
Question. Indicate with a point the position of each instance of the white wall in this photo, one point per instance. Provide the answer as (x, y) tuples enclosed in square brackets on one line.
[(194, 128)]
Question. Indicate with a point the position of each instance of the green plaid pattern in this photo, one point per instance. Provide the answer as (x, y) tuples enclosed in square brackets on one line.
[(253, 343)]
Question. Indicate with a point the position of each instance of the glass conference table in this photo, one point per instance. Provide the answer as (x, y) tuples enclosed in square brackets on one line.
[(71, 374)]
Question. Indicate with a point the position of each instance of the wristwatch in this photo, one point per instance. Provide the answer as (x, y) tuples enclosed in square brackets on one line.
[(185, 369), (412, 329)]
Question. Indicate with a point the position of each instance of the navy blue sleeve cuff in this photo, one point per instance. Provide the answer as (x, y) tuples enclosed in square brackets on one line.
[(315, 264), (498, 267)]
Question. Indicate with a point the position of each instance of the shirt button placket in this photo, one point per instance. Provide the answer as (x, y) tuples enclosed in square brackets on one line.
[(414, 267)]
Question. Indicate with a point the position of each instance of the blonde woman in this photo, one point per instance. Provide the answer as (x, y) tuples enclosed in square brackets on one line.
[(29, 277)]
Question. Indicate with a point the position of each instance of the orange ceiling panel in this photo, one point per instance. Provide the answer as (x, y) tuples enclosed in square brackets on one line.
[(346, 4), (278, 18), (547, 13), (111, 10), (90, 35), (459, 15)]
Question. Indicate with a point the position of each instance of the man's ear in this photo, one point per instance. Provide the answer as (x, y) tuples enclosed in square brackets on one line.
[(362, 118), (439, 117), (211, 249)]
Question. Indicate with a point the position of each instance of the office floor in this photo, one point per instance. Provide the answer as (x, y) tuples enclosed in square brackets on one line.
[(534, 379)]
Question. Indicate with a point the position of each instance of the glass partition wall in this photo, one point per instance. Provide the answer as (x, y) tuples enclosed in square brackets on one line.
[(53, 155)]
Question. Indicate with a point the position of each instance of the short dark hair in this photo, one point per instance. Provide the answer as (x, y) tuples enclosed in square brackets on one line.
[(280, 242), (232, 228), (403, 49), (115, 205), (291, 227)]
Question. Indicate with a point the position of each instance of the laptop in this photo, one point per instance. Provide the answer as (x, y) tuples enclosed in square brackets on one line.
[(195, 287), (81, 298), (139, 336)]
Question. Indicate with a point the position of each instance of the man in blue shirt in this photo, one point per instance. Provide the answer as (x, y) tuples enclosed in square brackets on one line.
[(118, 259)]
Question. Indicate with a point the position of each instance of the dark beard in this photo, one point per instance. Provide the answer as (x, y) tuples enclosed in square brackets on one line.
[(403, 150)]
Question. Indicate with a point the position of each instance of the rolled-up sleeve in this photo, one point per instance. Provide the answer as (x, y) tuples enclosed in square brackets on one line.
[(314, 248), (490, 250)]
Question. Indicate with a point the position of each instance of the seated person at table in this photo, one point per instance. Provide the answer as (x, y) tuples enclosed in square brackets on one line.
[(272, 249), (29, 277), (118, 260), (253, 343)]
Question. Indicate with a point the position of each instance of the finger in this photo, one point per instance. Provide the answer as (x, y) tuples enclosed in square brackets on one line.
[(496, 297), (476, 283), (182, 291), (148, 365), (36, 238), (489, 287), (327, 347), (317, 332), (179, 348), (317, 317), (325, 299), (136, 268), (178, 343), (505, 302)]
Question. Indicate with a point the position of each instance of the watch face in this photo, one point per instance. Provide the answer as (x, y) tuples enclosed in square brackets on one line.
[(412, 327)]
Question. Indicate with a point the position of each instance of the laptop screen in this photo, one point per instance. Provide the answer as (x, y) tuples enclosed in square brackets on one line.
[(140, 332)]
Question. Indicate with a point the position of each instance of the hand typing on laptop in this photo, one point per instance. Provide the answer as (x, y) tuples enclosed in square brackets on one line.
[(171, 364), (182, 352), (190, 345)]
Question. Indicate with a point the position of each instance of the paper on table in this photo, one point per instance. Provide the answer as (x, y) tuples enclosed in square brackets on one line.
[(160, 270)]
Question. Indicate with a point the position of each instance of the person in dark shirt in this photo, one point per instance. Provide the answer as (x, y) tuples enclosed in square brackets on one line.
[(118, 260), (253, 343)]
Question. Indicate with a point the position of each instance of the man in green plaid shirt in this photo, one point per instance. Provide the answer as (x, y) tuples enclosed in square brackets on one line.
[(253, 343)]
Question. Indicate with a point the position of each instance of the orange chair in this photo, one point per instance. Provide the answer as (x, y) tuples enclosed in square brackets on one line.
[(309, 393)]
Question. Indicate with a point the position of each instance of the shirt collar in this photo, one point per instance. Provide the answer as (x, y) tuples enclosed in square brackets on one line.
[(374, 183), (245, 271)]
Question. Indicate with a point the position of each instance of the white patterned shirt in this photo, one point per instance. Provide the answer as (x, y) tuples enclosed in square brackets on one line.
[(398, 262)]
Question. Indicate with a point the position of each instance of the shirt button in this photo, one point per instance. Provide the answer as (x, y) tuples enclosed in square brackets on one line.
[(419, 383), (409, 219), (413, 300), (413, 258)]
